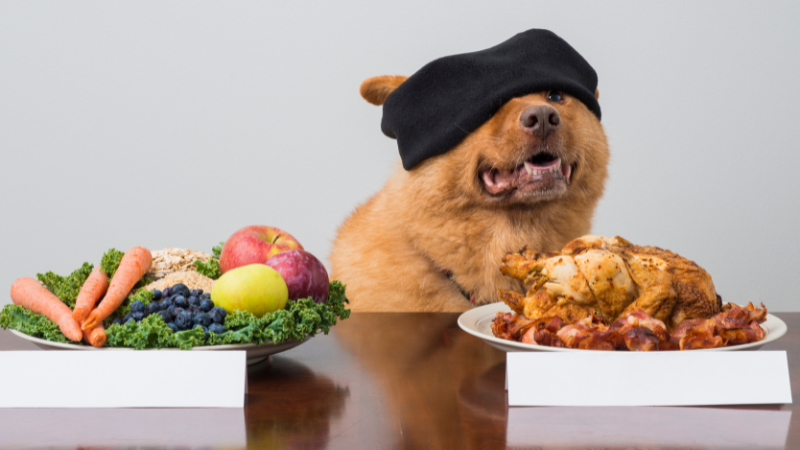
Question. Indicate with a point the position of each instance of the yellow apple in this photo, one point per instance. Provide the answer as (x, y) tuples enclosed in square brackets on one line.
[(255, 288)]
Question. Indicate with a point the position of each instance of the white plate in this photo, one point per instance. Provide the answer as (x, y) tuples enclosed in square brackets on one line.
[(477, 322), (255, 353)]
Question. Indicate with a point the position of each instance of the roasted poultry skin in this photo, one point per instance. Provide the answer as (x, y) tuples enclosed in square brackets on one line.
[(608, 278)]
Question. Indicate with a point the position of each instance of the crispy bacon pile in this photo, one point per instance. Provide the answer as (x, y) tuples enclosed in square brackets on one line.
[(636, 330)]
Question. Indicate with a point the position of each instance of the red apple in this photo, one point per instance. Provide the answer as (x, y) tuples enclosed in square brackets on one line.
[(255, 245), (304, 274)]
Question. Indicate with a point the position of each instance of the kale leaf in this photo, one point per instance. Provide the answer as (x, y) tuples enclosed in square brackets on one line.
[(110, 262), (210, 268), (243, 328), (66, 288), (189, 338), (150, 332), (217, 250), (142, 295), (23, 320)]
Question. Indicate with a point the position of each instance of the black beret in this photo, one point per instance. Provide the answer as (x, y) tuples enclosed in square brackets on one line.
[(434, 109)]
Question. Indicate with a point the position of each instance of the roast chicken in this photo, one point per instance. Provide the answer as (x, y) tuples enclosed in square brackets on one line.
[(609, 278)]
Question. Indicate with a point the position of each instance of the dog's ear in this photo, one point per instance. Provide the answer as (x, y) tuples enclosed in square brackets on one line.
[(376, 89), (597, 94)]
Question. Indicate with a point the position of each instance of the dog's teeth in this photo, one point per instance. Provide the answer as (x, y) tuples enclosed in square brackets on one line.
[(528, 167)]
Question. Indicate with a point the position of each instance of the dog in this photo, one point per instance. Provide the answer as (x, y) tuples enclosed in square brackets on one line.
[(433, 237)]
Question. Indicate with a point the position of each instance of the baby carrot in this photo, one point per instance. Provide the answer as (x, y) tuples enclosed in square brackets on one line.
[(29, 293), (134, 264), (91, 292), (96, 336)]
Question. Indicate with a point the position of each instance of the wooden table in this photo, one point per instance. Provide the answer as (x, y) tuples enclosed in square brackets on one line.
[(416, 381)]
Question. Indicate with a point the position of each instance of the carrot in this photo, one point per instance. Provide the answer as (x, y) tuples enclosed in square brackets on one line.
[(134, 264), (91, 292), (95, 336), (31, 294)]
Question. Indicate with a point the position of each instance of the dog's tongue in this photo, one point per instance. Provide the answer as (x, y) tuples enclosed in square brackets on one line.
[(506, 179), (497, 182)]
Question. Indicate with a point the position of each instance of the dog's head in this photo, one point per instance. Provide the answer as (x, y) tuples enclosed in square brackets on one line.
[(537, 148)]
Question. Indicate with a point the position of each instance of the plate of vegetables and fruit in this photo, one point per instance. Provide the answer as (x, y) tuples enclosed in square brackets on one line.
[(116, 307)]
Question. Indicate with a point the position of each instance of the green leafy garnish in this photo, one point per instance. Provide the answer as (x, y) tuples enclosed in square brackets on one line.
[(143, 295), (189, 338), (150, 332), (23, 320), (210, 268), (243, 328), (66, 288), (110, 262), (217, 250)]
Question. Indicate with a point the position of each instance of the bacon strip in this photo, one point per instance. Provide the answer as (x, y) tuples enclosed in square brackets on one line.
[(636, 331)]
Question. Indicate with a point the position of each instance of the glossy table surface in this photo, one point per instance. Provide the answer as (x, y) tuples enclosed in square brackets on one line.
[(403, 381)]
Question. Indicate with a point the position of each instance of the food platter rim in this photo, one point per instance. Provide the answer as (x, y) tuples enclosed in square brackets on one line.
[(468, 321), (225, 347)]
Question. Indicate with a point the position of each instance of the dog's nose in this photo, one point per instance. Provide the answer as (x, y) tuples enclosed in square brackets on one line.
[(540, 120)]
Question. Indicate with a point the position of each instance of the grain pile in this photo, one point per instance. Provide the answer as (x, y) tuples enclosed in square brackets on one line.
[(191, 279), (176, 265), (170, 259)]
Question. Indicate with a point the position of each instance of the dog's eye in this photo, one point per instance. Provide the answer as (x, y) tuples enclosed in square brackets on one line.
[(555, 96)]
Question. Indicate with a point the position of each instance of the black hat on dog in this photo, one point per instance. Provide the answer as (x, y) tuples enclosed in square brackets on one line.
[(434, 109)]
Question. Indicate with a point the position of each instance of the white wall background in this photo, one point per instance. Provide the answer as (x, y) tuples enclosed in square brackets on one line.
[(176, 123)]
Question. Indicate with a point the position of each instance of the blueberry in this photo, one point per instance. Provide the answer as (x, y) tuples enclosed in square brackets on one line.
[(126, 318), (117, 321), (202, 319), (194, 301), (184, 320), (137, 306), (218, 315), (217, 328), (206, 305), (174, 310), (180, 300), (166, 292), (173, 327), (156, 294), (165, 316), (163, 304), (130, 319), (206, 295), (195, 310), (152, 308), (179, 289), (205, 329), (196, 292), (138, 315)]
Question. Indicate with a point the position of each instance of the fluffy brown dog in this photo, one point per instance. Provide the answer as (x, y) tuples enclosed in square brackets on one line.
[(433, 238)]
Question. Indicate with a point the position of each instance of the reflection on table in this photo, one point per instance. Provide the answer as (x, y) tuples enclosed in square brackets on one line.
[(291, 407)]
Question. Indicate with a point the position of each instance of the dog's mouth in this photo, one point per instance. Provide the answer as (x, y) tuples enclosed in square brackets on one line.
[(542, 173)]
